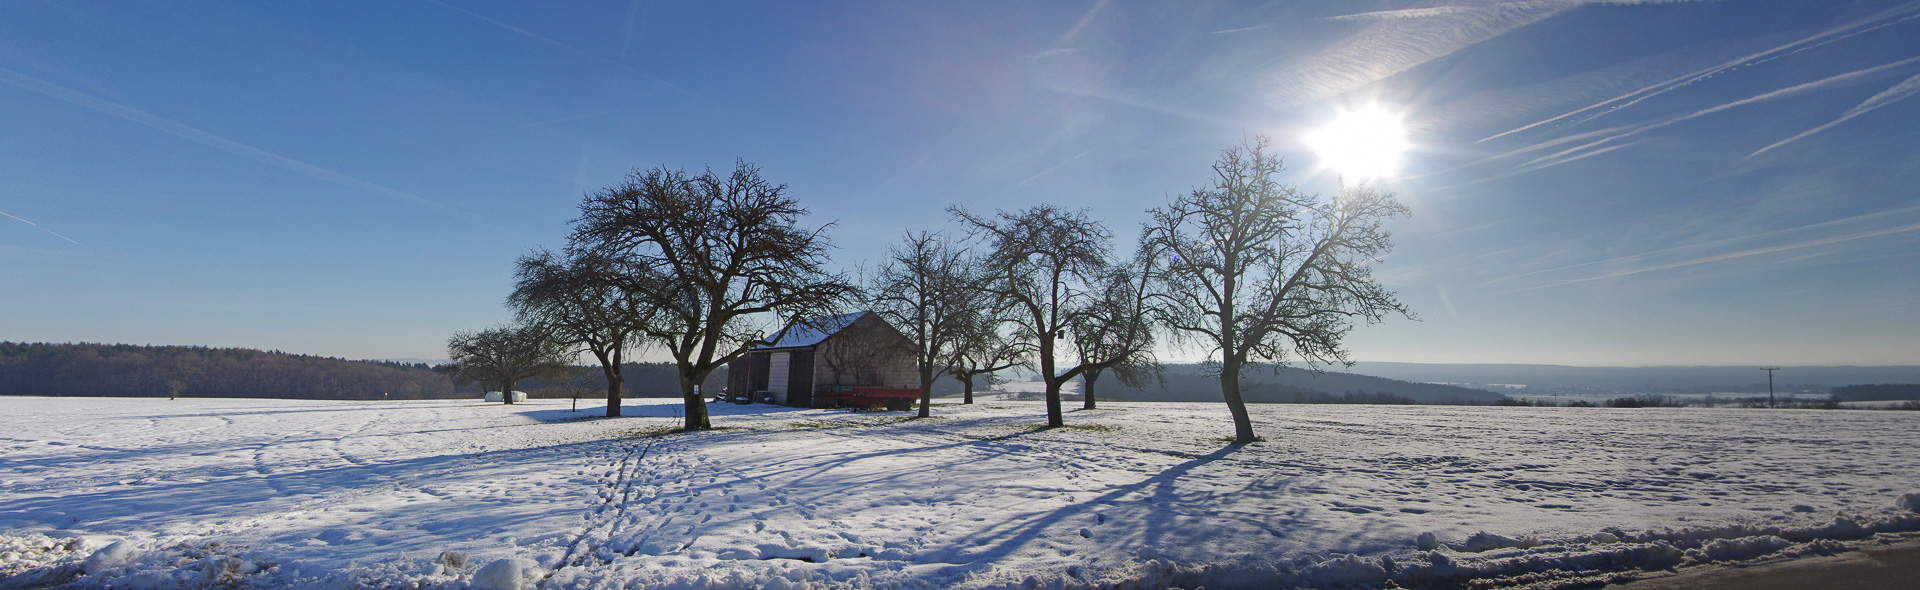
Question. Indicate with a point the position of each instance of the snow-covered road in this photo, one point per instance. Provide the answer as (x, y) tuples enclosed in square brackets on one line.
[(457, 493)]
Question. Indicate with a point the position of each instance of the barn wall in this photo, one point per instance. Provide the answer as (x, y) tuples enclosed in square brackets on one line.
[(740, 374), (900, 374), (759, 369)]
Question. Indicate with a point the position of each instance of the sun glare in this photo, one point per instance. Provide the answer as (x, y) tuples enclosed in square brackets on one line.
[(1361, 144)]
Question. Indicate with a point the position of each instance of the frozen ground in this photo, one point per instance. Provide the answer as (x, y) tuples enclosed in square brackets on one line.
[(453, 494)]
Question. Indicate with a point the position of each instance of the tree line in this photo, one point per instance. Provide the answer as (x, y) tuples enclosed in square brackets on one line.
[(125, 370), (706, 266)]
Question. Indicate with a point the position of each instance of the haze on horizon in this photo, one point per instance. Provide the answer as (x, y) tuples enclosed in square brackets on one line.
[(1592, 183)]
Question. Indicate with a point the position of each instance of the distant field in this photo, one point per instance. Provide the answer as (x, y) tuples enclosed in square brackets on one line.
[(271, 493)]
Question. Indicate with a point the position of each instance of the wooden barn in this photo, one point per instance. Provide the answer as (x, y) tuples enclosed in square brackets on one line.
[(853, 359)]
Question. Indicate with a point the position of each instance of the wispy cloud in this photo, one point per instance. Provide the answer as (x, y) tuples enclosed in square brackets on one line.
[(1394, 41), (1085, 19), (184, 131), (1413, 12), (1900, 91), (1884, 19), (568, 48), (1383, 47), (36, 225), (1045, 53), (1240, 29), (1057, 166), (632, 30), (1745, 253), (1735, 240), (1522, 150), (1852, 228), (577, 117)]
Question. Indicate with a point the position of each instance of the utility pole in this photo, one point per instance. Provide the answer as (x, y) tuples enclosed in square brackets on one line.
[(1769, 371)]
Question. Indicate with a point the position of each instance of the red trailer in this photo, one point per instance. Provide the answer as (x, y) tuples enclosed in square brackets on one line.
[(860, 396)]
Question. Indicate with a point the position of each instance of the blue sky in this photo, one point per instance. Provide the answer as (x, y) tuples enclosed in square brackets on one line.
[(1592, 183)]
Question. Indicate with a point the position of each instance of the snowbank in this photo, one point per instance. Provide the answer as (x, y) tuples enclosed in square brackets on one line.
[(460, 494)]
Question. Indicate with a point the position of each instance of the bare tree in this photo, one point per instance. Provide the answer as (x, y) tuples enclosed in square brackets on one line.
[(721, 258), (581, 299), (1260, 273), (1042, 268), (984, 349), (1116, 333), (922, 287), (504, 355), (575, 383)]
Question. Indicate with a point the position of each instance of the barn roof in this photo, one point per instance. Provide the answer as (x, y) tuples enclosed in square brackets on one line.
[(810, 332)]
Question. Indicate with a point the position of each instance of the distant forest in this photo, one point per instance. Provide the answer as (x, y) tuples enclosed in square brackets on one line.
[(126, 370), (1189, 383), (1872, 393)]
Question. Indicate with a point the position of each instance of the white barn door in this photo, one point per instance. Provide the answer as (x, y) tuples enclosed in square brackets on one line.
[(778, 369)]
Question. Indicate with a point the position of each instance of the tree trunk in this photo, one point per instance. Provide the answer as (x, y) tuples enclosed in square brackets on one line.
[(966, 385), (506, 393), (1089, 377), (926, 394), (1055, 419), (615, 382), (696, 407), (1230, 388), (1055, 416)]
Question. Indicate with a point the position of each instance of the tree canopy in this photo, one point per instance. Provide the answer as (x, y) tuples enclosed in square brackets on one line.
[(1259, 273), (502, 356), (722, 259)]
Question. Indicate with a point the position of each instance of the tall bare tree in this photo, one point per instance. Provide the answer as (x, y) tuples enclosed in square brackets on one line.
[(722, 258), (502, 356), (1260, 273), (1042, 267), (1116, 333), (922, 288), (580, 297)]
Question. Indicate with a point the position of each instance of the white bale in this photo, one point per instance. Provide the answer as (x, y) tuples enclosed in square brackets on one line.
[(507, 574), (112, 556), (518, 396)]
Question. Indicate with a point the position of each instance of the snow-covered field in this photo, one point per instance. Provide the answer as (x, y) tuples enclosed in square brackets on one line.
[(278, 493)]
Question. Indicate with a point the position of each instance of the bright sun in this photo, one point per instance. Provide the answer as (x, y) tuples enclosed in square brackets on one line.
[(1361, 144)]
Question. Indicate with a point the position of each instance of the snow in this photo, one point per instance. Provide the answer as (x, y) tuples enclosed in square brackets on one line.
[(461, 494), (811, 332)]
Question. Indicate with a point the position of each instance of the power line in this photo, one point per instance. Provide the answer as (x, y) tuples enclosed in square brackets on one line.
[(1769, 385)]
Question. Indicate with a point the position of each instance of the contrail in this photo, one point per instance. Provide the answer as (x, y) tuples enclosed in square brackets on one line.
[(1805, 43), (1745, 253), (1788, 92), (569, 48), (576, 118), (1085, 19), (230, 146), (57, 235), (1732, 240), (1904, 89), (1062, 163)]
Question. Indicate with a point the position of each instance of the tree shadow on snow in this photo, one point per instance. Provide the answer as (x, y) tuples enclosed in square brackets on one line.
[(1000, 542)]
